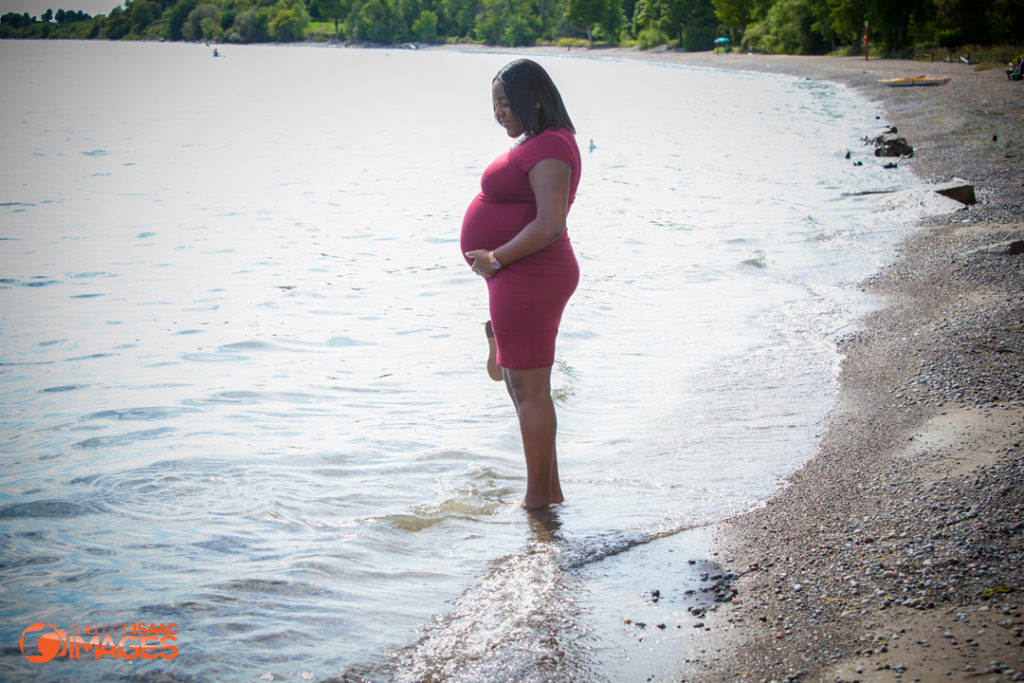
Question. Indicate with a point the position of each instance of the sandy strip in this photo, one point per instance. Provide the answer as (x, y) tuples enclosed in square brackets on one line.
[(897, 553)]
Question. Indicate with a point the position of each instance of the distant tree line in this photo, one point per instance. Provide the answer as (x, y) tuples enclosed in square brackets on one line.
[(774, 26)]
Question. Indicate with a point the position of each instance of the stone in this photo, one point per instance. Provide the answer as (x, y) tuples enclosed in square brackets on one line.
[(892, 145), (958, 189)]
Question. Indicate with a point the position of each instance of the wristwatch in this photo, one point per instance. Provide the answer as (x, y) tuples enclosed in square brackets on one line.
[(495, 263)]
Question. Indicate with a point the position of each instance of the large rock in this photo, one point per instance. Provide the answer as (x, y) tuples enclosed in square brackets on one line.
[(892, 145), (958, 189)]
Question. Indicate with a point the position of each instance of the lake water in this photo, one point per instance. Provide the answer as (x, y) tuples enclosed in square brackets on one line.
[(242, 367)]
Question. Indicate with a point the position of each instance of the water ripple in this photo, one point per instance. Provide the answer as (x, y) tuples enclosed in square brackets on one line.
[(124, 439), (48, 509)]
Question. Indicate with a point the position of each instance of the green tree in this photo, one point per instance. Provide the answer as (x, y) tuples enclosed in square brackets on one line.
[(457, 17), (142, 13), (846, 19), (700, 26), (250, 26), (371, 21), (287, 21), (674, 17), (893, 20), (330, 10), (585, 14), (424, 29), (490, 22), (962, 22), (521, 29), (117, 24), (177, 18), (15, 20), (193, 28)]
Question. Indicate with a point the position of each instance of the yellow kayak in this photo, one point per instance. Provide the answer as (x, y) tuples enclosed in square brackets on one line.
[(905, 82)]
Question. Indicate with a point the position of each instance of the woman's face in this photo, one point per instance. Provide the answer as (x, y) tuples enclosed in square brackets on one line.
[(502, 112)]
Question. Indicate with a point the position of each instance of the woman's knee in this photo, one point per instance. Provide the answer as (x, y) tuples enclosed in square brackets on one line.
[(529, 385)]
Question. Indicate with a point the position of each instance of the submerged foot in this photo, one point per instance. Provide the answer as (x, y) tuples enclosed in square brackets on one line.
[(493, 369), (534, 502)]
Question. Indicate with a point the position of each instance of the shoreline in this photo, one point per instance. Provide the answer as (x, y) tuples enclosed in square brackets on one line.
[(915, 569), (897, 552)]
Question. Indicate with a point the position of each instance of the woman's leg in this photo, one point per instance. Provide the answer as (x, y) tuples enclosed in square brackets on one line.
[(493, 369), (531, 394)]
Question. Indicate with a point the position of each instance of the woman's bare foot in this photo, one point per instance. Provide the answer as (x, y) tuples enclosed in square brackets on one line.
[(493, 369), (535, 503), (531, 502)]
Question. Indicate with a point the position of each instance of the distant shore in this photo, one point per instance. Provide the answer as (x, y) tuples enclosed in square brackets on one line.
[(897, 553)]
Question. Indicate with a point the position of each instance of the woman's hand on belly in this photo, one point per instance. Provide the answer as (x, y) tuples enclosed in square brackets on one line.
[(481, 262)]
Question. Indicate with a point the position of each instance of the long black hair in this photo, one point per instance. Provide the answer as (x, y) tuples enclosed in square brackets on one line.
[(533, 97)]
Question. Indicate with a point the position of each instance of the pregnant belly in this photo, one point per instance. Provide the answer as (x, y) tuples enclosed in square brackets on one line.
[(488, 225)]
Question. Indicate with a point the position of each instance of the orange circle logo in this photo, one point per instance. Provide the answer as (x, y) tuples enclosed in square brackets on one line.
[(48, 645)]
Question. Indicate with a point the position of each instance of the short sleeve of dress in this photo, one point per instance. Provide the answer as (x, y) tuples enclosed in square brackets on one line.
[(550, 144)]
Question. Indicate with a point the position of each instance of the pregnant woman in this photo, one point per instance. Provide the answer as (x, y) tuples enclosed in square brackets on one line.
[(513, 235)]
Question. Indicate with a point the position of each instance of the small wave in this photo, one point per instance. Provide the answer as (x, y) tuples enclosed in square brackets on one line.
[(518, 623), (211, 357), (91, 356), (123, 439), (271, 587), (92, 274), (37, 281), (144, 413), (252, 397), (346, 341), (522, 620), (62, 388), (50, 509), (426, 517), (468, 504), (759, 260), (921, 202)]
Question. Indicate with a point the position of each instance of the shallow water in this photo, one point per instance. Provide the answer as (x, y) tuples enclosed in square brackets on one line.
[(242, 359)]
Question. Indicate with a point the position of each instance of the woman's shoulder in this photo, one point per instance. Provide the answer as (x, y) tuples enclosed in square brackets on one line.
[(557, 133), (551, 140)]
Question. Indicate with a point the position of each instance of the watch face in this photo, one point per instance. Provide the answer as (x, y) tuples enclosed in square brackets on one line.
[(495, 265)]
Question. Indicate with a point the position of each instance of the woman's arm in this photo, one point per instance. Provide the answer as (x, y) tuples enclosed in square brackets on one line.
[(549, 179)]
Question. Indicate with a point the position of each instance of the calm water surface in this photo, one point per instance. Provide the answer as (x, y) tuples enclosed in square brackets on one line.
[(242, 361)]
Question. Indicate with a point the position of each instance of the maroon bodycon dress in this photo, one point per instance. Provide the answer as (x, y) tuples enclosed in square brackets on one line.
[(527, 297)]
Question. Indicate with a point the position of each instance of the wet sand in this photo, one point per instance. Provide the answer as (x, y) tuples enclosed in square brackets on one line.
[(897, 553)]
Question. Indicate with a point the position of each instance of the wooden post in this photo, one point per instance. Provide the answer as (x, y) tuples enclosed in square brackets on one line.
[(865, 40)]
